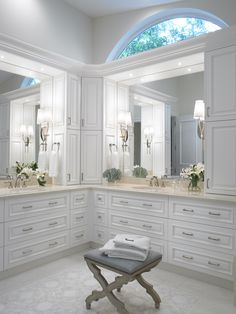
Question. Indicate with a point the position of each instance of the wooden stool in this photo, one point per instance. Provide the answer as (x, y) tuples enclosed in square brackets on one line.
[(130, 270)]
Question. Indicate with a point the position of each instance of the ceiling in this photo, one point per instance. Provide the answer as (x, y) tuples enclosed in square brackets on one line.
[(95, 8), (4, 76)]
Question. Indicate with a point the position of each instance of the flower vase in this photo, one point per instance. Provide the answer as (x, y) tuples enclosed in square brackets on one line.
[(194, 184), (41, 181)]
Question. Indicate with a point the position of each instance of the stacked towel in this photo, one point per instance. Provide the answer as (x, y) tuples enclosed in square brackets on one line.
[(133, 247)]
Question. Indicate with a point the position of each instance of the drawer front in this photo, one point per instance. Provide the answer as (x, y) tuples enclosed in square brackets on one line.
[(28, 251), (1, 210), (156, 244), (78, 218), (26, 229), (79, 199), (101, 217), (157, 227), (208, 213), (203, 236), (100, 199), (27, 206), (1, 234), (100, 234), (1, 259), (79, 236), (216, 264), (144, 205)]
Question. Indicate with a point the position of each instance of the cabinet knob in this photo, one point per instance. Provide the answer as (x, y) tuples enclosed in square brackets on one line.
[(208, 111), (68, 120)]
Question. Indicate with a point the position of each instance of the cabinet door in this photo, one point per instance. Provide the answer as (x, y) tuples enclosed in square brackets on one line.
[(91, 157), (221, 84), (73, 104), (73, 157), (91, 107), (221, 156), (110, 104), (59, 100)]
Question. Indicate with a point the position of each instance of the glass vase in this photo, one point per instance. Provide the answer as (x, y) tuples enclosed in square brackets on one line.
[(194, 185)]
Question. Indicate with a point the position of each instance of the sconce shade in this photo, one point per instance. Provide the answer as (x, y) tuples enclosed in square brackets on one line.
[(148, 131), (199, 110), (124, 118), (23, 129), (30, 130), (43, 116)]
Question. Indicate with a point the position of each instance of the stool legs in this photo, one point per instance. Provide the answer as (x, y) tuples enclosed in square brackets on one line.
[(149, 289)]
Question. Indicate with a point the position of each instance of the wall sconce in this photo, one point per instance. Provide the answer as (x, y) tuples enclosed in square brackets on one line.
[(199, 114), (148, 134), (27, 134), (43, 118), (125, 121)]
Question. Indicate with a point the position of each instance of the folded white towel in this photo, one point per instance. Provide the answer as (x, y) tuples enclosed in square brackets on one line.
[(111, 250), (134, 241), (53, 163), (43, 160)]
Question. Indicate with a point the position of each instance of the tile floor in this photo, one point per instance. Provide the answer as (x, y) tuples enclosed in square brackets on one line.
[(61, 287)]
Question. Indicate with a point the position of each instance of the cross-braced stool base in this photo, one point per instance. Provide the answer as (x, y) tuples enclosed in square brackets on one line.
[(117, 284)]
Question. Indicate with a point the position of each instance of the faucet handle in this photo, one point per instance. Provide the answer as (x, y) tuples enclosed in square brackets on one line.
[(10, 183)]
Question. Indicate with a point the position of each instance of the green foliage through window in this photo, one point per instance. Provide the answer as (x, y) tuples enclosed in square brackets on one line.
[(166, 33)]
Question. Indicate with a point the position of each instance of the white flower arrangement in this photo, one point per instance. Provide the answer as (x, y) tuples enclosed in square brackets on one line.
[(194, 173)]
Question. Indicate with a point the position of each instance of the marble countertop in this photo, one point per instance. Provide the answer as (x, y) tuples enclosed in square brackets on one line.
[(144, 189)]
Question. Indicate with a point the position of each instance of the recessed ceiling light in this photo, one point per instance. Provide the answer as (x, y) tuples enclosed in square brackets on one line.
[(142, 79), (189, 69), (131, 75), (42, 69), (179, 64), (2, 57)]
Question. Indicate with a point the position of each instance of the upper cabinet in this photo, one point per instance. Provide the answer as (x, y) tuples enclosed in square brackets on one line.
[(92, 104), (220, 66), (73, 102), (110, 104)]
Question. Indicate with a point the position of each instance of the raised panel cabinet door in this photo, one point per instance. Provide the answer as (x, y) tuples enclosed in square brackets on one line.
[(91, 106), (221, 156), (220, 71), (59, 99), (73, 157), (91, 157), (73, 102), (110, 104)]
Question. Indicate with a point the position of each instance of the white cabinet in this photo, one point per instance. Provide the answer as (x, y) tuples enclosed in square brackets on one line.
[(221, 84), (221, 156), (110, 104), (73, 157), (91, 157), (59, 100), (92, 104), (73, 102)]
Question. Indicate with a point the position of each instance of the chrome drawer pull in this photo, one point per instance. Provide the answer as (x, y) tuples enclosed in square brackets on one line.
[(27, 207), (124, 221), (54, 223), (99, 235), (27, 229), (79, 217), (213, 239), (149, 205), (99, 217), (213, 264), (99, 198), (147, 226), (53, 244), (52, 203), (188, 234), (124, 202), (187, 257), (188, 210), (214, 214), (79, 199), (79, 236), (27, 252)]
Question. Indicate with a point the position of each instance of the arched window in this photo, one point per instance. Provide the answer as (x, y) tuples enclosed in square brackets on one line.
[(28, 82), (165, 28)]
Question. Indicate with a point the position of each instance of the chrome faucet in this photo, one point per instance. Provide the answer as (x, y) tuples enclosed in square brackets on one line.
[(21, 179), (154, 181)]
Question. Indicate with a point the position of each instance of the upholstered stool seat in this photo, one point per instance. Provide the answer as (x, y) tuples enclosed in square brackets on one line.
[(130, 270)]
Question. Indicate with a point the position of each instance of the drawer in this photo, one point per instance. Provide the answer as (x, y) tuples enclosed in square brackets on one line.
[(28, 251), (1, 210), (79, 236), (203, 236), (156, 244), (101, 217), (78, 218), (212, 213), (100, 199), (216, 264), (100, 235), (79, 199), (157, 227), (1, 235), (25, 229), (28, 206), (145, 205), (1, 259)]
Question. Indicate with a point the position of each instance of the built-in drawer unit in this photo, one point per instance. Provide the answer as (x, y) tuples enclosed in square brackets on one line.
[(149, 206), (213, 263), (25, 229), (1, 259), (203, 236), (100, 199), (100, 234), (156, 226), (27, 251), (79, 236), (1, 210), (24, 207), (79, 199), (207, 212), (1, 235), (78, 218), (101, 217)]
